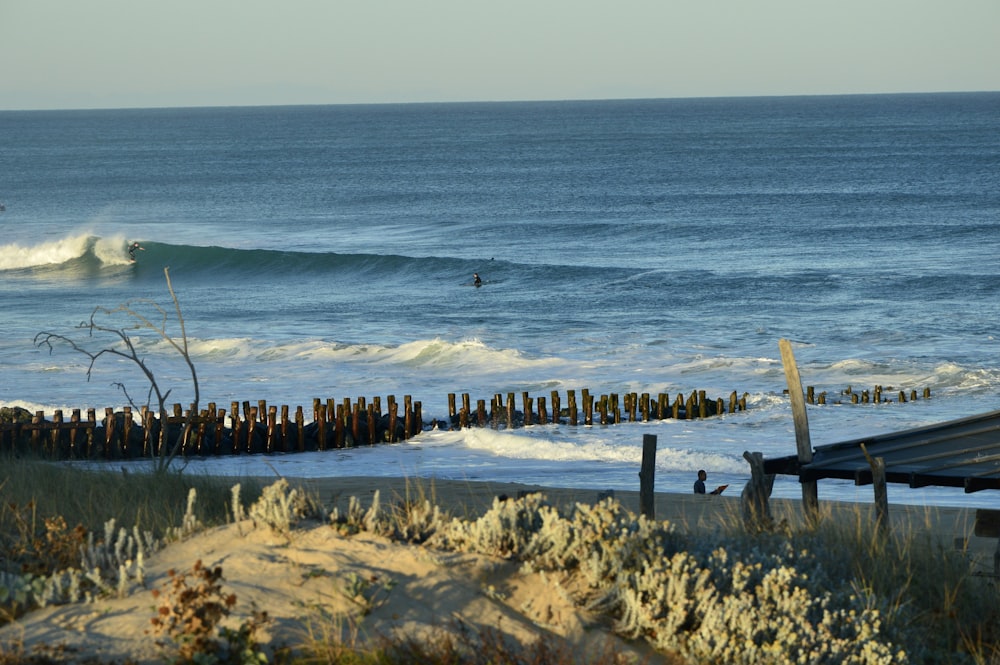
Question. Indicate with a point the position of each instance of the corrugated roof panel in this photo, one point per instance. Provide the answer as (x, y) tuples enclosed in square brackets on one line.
[(958, 453)]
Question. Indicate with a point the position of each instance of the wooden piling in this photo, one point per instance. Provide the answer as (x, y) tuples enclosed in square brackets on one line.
[(408, 417), (372, 433), (392, 419), (647, 505), (810, 495), (300, 426)]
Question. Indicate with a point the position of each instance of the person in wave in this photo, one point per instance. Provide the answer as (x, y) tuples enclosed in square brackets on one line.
[(476, 280), (132, 248)]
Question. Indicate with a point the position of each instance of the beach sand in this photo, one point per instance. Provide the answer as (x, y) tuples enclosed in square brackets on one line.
[(303, 582)]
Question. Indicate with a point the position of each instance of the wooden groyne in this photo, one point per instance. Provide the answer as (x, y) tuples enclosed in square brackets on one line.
[(250, 428), (877, 395)]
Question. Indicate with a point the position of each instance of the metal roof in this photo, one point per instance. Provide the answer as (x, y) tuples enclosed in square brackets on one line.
[(957, 453)]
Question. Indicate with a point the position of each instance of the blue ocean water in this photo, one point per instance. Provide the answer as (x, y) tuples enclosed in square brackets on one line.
[(634, 245)]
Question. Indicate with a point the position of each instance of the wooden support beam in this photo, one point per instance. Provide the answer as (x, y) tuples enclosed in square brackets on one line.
[(810, 495)]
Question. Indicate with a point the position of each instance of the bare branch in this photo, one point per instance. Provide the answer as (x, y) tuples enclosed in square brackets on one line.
[(124, 347)]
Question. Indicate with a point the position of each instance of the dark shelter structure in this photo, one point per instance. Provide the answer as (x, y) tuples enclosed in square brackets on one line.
[(957, 453)]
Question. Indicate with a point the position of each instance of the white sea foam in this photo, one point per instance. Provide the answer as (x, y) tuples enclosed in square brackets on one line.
[(54, 252)]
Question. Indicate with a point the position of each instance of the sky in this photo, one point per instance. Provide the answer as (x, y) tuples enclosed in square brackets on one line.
[(70, 54)]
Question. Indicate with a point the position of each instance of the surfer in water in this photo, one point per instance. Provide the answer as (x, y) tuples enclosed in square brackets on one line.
[(131, 250), (476, 280)]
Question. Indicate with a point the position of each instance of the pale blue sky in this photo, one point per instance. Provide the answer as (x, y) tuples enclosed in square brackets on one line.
[(144, 53)]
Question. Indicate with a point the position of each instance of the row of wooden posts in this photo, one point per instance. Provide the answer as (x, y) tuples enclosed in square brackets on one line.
[(878, 395), (264, 428)]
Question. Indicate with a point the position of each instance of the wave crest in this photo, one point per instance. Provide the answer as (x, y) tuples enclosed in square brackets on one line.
[(80, 247)]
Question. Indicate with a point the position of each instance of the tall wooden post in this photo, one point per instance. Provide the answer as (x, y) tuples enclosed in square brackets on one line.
[(877, 465), (646, 503), (810, 495)]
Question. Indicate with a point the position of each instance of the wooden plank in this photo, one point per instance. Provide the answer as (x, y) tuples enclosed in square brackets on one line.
[(810, 494)]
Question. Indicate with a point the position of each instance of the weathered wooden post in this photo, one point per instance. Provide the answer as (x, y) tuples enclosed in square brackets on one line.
[(510, 410), (339, 425), (109, 430), (210, 413), (451, 407), (234, 421), (647, 505), (251, 427), (496, 406), (392, 419), (877, 465), (92, 420), (300, 426), (556, 407), (74, 420), (754, 499), (408, 416), (320, 419), (588, 408), (810, 494), (542, 413), (284, 428), (57, 422), (526, 406), (481, 412), (573, 411), (371, 425), (147, 433)]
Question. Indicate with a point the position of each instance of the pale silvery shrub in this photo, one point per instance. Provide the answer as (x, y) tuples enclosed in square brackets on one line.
[(748, 605), (504, 531), (358, 518), (281, 506)]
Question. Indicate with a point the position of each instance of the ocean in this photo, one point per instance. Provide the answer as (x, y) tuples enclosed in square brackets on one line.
[(661, 245)]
